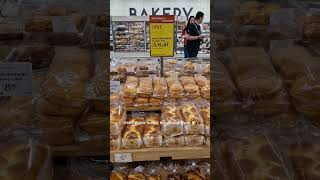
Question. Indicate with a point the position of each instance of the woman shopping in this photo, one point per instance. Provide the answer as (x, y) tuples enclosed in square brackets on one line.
[(184, 33)]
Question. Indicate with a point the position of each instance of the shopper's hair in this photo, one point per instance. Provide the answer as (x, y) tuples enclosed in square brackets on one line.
[(199, 15), (188, 24)]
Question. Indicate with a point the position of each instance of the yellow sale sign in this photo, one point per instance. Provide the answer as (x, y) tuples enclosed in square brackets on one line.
[(162, 36)]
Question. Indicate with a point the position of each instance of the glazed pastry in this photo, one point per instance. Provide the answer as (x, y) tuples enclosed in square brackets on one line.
[(160, 87), (201, 80), (173, 141), (117, 118), (152, 136), (205, 111), (145, 88), (117, 176), (136, 176), (194, 140), (154, 177), (115, 142), (195, 174), (132, 133), (189, 66), (193, 120), (171, 120), (130, 87)]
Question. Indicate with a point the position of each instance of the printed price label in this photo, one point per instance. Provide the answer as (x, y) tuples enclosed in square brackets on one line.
[(122, 157), (114, 86), (15, 79), (63, 24)]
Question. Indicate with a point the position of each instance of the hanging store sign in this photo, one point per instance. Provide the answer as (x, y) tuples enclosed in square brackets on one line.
[(162, 36)]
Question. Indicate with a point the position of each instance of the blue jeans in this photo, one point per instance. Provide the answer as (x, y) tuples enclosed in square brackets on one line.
[(186, 52)]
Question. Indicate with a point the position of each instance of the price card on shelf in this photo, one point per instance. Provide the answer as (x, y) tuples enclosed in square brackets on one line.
[(122, 157), (162, 36), (114, 86), (16, 79)]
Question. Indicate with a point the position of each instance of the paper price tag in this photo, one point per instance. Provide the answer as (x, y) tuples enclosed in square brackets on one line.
[(114, 86), (123, 157), (15, 79), (63, 24)]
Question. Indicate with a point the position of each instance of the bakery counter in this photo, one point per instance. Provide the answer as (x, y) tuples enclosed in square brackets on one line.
[(155, 154)]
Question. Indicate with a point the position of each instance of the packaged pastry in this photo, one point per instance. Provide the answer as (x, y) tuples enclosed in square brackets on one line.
[(173, 141), (152, 132), (133, 133), (305, 159), (176, 172), (117, 118), (145, 88), (160, 87), (130, 87), (119, 173), (189, 67), (206, 70), (194, 172), (115, 142), (193, 121), (171, 121), (155, 102), (205, 91), (254, 157), (253, 72), (204, 108), (208, 141), (137, 174), (194, 140), (175, 87), (170, 65), (141, 102), (201, 80), (127, 68)]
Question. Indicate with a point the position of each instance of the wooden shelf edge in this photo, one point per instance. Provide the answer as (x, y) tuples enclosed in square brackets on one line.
[(154, 154)]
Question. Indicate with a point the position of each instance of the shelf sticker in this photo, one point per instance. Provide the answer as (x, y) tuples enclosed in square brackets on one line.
[(161, 36), (114, 86), (122, 157), (16, 79)]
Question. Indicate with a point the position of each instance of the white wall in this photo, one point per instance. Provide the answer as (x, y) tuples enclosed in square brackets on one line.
[(121, 7)]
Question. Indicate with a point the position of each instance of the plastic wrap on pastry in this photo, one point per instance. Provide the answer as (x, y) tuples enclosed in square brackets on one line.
[(189, 67), (141, 102), (305, 159), (155, 102), (137, 174), (115, 142), (171, 121), (192, 118), (205, 91), (117, 119), (130, 87), (126, 68), (190, 87), (195, 174), (201, 80), (118, 176), (152, 132), (175, 87), (208, 141), (204, 108), (254, 157), (253, 72), (194, 140), (145, 88), (160, 87), (133, 133), (173, 141)]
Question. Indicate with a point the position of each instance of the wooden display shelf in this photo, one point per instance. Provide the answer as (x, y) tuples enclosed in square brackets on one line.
[(154, 154), (143, 109)]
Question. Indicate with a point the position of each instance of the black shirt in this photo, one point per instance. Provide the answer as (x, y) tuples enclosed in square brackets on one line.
[(194, 30)]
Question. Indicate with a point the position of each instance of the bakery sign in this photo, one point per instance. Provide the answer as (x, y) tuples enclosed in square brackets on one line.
[(186, 12), (161, 36)]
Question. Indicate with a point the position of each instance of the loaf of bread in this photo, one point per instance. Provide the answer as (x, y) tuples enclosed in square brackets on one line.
[(117, 118), (253, 72), (171, 121), (201, 80), (193, 120), (175, 87), (39, 24), (194, 140), (305, 159), (145, 88), (25, 161), (160, 87), (189, 67), (133, 133), (141, 102), (155, 102), (130, 87), (291, 62), (205, 111), (173, 141), (152, 132), (253, 157), (205, 91)]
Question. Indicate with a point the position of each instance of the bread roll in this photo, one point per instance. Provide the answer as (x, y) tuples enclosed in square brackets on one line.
[(155, 102), (115, 142), (201, 80), (117, 176), (145, 88), (152, 132), (130, 87), (171, 120), (195, 174), (193, 119), (160, 87), (117, 119), (173, 141)]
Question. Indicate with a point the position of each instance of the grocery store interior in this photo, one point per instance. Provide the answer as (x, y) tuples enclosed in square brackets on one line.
[(55, 76)]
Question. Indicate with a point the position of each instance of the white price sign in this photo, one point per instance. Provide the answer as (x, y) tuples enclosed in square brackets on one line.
[(16, 79), (122, 157), (114, 86)]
